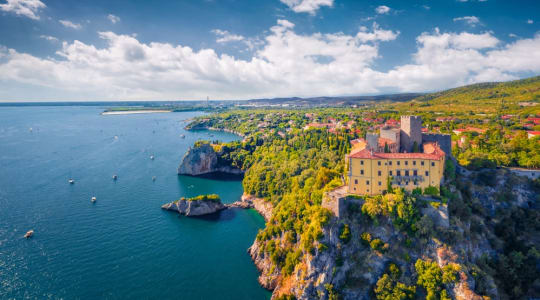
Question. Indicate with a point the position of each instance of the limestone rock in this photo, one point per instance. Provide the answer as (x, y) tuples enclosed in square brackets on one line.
[(194, 208)]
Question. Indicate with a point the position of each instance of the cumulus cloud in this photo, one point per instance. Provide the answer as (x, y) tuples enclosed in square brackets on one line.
[(286, 64), (376, 35), (383, 9), (27, 8), (114, 19), (224, 36), (307, 6), (471, 20), (49, 38), (70, 24)]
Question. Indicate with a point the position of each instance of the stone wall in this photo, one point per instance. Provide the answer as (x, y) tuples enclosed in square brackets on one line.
[(444, 140), (529, 173)]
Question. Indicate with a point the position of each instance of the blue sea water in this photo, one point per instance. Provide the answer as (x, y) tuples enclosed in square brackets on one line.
[(123, 246)]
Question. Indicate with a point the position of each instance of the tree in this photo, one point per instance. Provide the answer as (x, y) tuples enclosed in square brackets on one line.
[(415, 147)]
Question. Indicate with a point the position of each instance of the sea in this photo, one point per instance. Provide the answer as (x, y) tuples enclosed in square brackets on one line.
[(123, 246)]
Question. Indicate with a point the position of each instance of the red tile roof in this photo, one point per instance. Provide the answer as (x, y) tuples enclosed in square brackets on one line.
[(431, 151)]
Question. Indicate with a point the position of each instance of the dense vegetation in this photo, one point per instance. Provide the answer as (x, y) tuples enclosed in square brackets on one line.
[(291, 164), (481, 98), (208, 197)]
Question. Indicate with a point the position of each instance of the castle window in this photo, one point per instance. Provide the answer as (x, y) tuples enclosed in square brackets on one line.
[(356, 181), (362, 162), (380, 183), (398, 162), (406, 172), (361, 172), (367, 182), (379, 163), (406, 163), (415, 173), (390, 173), (390, 163), (422, 163), (414, 162), (379, 173), (427, 173), (398, 172), (433, 164)]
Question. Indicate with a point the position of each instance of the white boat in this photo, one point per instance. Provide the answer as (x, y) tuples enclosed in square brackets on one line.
[(71, 181), (151, 157), (183, 136), (114, 177), (94, 199), (29, 233), (153, 178)]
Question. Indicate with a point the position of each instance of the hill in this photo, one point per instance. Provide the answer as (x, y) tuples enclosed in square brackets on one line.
[(491, 97)]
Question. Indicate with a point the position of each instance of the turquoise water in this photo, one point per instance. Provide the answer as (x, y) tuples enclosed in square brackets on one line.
[(124, 245)]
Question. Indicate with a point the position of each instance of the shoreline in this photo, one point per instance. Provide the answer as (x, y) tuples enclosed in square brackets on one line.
[(132, 112), (215, 129)]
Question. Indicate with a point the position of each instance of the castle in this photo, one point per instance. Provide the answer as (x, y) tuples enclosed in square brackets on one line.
[(403, 157)]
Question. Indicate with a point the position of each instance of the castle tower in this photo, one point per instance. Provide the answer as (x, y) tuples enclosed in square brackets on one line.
[(372, 140), (411, 132)]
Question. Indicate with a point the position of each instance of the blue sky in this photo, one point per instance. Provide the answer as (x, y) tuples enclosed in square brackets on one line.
[(240, 49)]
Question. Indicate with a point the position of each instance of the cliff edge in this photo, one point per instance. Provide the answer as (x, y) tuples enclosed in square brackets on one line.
[(201, 160)]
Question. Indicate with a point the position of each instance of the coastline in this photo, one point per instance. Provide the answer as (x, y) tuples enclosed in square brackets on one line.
[(131, 112), (215, 129)]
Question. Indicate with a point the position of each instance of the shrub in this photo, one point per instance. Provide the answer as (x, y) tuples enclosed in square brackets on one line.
[(431, 190), (345, 234)]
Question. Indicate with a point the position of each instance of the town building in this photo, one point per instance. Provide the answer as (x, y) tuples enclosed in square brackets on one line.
[(373, 163)]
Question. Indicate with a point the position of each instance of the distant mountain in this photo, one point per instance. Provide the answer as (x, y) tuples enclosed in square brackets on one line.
[(333, 101)]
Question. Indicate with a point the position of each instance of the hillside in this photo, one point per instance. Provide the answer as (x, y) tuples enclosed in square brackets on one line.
[(482, 97)]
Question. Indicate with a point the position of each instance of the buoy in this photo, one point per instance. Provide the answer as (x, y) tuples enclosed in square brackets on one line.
[(29, 233)]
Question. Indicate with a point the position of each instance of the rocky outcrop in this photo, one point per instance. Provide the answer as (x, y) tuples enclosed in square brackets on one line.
[(201, 160), (194, 208), (269, 276), (262, 206)]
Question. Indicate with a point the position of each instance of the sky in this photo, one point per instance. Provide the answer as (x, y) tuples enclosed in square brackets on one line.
[(101, 50)]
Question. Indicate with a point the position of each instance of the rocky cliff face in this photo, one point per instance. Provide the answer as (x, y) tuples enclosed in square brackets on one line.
[(194, 208), (201, 160), (354, 268), (260, 205)]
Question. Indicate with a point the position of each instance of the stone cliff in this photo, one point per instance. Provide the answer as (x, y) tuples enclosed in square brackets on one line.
[(201, 160), (194, 208), (354, 267)]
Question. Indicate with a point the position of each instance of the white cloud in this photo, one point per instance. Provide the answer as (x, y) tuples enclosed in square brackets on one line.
[(70, 24), (27, 8), (224, 36), (114, 19), (49, 38), (471, 20), (383, 9), (286, 64), (307, 6), (376, 35), (530, 21)]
